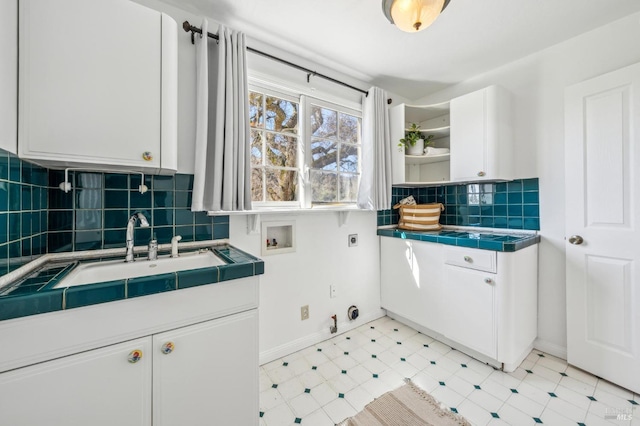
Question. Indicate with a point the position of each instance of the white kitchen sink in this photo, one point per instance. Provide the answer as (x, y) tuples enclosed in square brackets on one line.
[(112, 270)]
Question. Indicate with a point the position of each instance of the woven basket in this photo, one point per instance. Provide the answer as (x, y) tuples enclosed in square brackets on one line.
[(420, 217)]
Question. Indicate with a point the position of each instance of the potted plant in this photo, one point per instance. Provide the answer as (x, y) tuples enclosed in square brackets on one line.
[(413, 141)]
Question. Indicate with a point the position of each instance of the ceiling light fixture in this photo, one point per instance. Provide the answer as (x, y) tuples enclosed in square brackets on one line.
[(413, 15)]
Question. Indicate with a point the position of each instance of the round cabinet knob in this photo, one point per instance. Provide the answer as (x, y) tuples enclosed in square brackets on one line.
[(481, 173), (167, 348), (576, 240), (468, 259), (147, 156), (135, 356), (488, 280)]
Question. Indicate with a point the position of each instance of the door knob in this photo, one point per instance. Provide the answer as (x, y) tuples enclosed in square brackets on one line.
[(576, 240)]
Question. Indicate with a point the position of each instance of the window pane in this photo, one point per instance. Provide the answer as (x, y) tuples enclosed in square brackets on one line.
[(256, 116), (281, 185), (282, 151), (324, 187), (323, 122), (256, 147), (349, 188), (323, 154), (349, 158), (282, 115), (349, 128), (256, 185)]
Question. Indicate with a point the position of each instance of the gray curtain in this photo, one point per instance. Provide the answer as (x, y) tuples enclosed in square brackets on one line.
[(222, 180), (375, 182)]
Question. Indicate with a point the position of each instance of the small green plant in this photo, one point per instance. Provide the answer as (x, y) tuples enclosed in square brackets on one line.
[(412, 136)]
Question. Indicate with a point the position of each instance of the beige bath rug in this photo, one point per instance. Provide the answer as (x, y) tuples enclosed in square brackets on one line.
[(406, 406)]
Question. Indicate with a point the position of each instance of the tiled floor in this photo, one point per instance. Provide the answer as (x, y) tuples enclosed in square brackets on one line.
[(333, 380)]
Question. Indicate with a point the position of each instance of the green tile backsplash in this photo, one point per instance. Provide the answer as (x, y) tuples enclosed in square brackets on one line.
[(23, 211), (94, 214), (36, 217), (509, 205)]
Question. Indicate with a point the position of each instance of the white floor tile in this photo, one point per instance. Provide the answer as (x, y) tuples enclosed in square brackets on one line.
[(329, 370), (475, 413), (428, 362), (303, 405), (425, 382), (291, 388), (279, 416), (485, 400), (318, 418), (551, 417), (375, 387), (270, 399), (323, 394), (525, 405), (339, 409), (496, 389), (358, 398), (342, 383), (447, 396), (566, 409)]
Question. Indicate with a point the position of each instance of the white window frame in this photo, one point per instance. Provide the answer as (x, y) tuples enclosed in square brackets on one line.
[(306, 102), (303, 195), (267, 90)]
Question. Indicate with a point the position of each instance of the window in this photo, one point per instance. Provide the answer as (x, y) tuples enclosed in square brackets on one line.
[(274, 147), (291, 134), (335, 153)]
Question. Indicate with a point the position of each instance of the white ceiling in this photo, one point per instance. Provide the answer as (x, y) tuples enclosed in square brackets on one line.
[(469, 38)]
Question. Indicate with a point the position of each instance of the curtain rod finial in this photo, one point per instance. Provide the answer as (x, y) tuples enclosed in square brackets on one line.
[(186, 26)]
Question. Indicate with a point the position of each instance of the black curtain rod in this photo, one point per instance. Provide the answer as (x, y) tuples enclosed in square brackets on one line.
[(190, 28)]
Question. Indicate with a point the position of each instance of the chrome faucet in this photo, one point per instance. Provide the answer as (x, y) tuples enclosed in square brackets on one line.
[(130, 225)]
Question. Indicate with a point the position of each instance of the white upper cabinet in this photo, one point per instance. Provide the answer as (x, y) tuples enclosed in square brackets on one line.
[(481, 136), (97, 85), (8, 74)]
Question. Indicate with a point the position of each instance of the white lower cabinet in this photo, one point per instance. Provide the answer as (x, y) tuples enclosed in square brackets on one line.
[(206, 374), (195, 353), (482, 302), (470, 317), (201, 374), (100, 387)]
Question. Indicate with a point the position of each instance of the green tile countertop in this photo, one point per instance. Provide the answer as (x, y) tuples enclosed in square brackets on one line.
[(34, 292), (485, 240)]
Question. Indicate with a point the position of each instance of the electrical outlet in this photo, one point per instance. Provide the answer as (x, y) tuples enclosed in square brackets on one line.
[(332, 291), (304, 312), (353, 240)]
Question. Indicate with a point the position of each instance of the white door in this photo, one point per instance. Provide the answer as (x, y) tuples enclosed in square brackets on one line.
[(101, 387), (602, 159), (210, 374)]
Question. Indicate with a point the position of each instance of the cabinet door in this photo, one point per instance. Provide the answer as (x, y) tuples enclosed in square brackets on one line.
[(90, 82), (8, 74), (470, 303), (481, 135), (411, 280), (98, 388), (210, 377)]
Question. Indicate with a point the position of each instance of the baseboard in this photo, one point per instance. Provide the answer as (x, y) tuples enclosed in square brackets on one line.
[(550, 348), (315, 338)]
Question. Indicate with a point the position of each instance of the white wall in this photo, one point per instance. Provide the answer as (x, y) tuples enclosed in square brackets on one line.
[(8, 75), (537, 83), (291, 280)]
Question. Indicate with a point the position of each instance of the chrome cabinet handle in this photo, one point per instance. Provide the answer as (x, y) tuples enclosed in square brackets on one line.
[(481, 173), (468, 259), (488, 280), (576, 240)]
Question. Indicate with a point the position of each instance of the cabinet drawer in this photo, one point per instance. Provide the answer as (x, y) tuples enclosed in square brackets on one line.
[(482, 260)]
